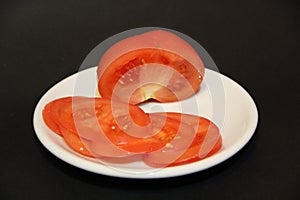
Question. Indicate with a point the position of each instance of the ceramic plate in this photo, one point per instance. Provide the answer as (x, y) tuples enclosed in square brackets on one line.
[(220, 99)]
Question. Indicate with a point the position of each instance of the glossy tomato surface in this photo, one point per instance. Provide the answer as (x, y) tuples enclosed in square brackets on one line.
[(75, 142), (206, 142), (106, 125), (154, 65), (51, 113), (102, 127), (95, 122)]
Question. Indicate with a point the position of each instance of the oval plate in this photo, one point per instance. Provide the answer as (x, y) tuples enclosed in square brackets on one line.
[(220, 99)]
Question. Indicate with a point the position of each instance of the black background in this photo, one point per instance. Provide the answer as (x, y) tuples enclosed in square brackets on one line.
[(255, 43)]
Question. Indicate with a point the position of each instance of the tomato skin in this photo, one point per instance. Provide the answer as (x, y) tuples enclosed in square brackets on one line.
[(75, 142), (93, 120), (162, 131), (144, 54), (87, 122), (78, 109), (170, 139), (206, 142), (161, 39), (51, 112), (192, 154), (157, 135)]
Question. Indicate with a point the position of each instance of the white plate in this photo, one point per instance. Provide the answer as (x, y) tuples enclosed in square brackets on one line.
[(220, 99)]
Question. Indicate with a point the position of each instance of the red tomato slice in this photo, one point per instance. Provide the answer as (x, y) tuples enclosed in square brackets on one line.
[(206, 142), (154, 65), (75, 142), (108, 125), (101, 149), (92, 122), (125, 137), (106, 112), (51, 113), (78, 109), (163, 131)]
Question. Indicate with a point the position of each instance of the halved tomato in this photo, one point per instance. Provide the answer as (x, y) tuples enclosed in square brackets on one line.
[(155, 65), (206, 142)]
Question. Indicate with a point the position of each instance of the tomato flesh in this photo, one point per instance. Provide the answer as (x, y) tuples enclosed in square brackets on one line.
[(155, 65), (150, 138), (206, 142), (75, 142), (93, 121), (51, 112), (91, 128), (147, 67), (150, 73), (162, 132)]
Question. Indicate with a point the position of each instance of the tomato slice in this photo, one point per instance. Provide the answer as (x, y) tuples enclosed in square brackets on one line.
[(106, 125), (81, 109), (126, 137), (99, 127), (51, 112), (155, 65), (75, 142), (163, 131), (206, 142), (85, 123), (101, 149)]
